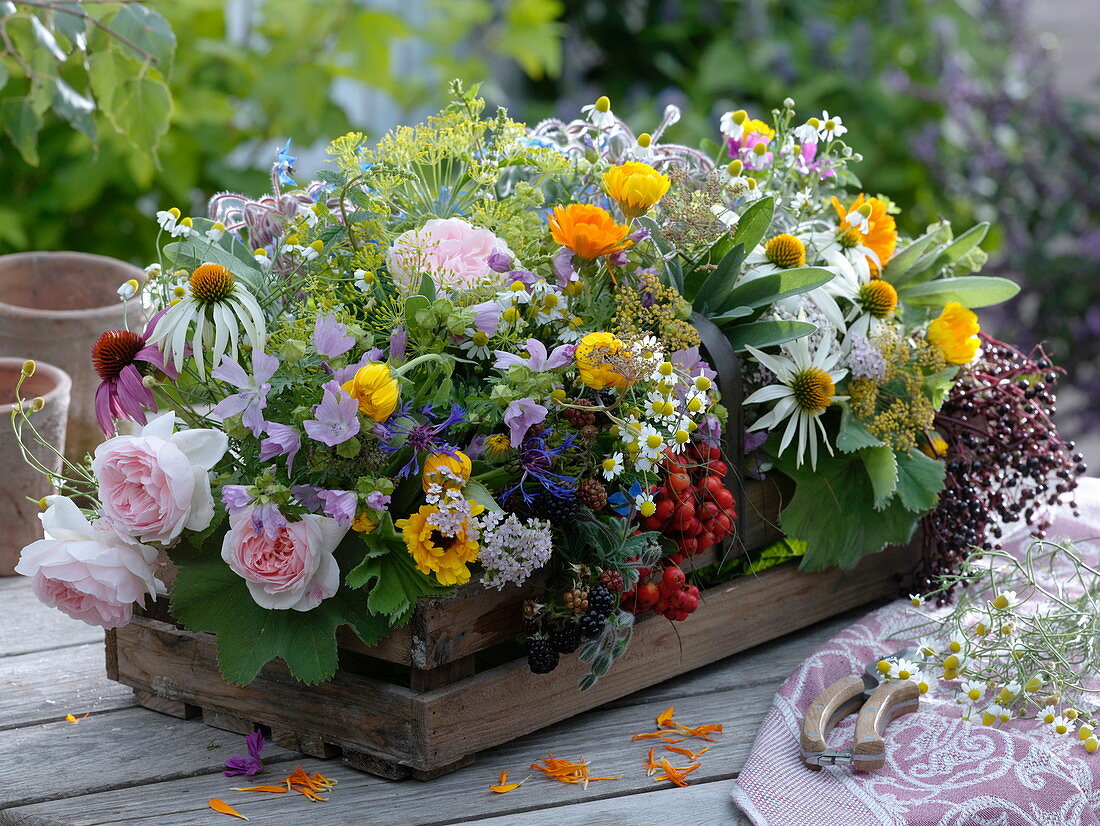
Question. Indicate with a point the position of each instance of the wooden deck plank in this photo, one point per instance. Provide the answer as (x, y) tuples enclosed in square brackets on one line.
[(44, 686), (27, 625)]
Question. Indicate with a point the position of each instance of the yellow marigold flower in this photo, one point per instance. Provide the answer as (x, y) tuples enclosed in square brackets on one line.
[(459, 465), (376, 390), (635, 187), (955, 332), (591, 356), (882, 234), (588, 230), (934, 447), (364, 523), (445, 556)]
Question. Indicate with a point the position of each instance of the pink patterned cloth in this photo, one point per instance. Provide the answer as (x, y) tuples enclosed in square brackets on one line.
[(940, 770)]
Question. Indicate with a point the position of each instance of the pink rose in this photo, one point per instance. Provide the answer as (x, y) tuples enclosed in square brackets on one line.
[(155, 484), (454, 253), (85, 569), (295, 570)]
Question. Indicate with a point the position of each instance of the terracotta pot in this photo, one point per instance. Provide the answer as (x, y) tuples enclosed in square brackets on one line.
[(53, 307), (18, 516)]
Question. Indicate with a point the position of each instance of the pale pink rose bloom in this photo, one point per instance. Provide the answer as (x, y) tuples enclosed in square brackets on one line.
[(85, 569), (454, 253), (156, 484), (294, 570)]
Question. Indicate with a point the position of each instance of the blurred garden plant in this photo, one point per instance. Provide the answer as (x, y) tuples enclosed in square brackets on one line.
[(123, 105)]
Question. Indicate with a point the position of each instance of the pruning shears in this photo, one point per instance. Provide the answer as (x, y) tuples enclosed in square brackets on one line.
[(878, 705)]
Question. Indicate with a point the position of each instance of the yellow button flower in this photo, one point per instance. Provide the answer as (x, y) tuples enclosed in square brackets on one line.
[(635, 187), (591, 355), (459, 467), (376, 390), (955, 332)]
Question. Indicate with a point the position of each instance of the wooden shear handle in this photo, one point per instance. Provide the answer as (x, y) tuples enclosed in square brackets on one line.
[(889, 701), (828, 708)]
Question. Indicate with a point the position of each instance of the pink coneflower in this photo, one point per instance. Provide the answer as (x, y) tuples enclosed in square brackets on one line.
[(121, 395)]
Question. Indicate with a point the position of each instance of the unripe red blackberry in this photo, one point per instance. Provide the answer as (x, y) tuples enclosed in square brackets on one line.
[(592, 494)]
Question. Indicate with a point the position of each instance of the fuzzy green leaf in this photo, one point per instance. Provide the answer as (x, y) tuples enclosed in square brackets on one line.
[(397, 585), (761, 334), (882, 470), (968, 290), (767, 289), (920, 480), (713, 295), (754, 223)]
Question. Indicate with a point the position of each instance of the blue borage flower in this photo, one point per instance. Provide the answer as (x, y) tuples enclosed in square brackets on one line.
[(623, 503), (403, 431)]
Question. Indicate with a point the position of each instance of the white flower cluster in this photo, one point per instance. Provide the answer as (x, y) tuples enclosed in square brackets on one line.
[(511, 548), (454, 514)]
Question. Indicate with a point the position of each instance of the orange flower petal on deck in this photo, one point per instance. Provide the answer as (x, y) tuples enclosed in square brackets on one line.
[(692, 756), (504, 786), (69, 718), (272, 789), (567, 771), (664, 719), (650, 764), (660, 735), (308, 785), (674, 774), (221, 807)]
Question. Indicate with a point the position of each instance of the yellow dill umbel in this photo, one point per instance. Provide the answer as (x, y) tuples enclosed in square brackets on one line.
[(211, 283), (813, 390), (786, 251)]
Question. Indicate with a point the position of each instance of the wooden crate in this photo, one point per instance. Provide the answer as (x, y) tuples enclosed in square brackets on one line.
[(423, 701)]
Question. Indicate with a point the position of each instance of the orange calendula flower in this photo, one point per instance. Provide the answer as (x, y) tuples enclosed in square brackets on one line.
[(376, 390), (592, 361), (635, 187), (882, 231), (955, 332), (221, 807), (436, 553), (588, 230), (448, 471)]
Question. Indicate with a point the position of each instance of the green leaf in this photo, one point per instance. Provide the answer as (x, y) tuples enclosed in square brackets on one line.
[(144, 34), (75, 108), (966, 242), (713, 295), (920, 480), (397, 584), (732, 315), (753, 223), (968, 290), (230, 252), (479, 493), (673, 270), (21, 123), (833, 511), (427, 288), (900, 268), (761, 334), (853, 435), (46, 39), (767, 289), (882, 469)]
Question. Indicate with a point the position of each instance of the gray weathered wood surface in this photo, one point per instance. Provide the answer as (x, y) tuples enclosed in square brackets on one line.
[(123, 764)]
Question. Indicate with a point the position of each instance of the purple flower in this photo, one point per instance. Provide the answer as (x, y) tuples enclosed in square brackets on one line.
[(345, 374), (499, 261), (519, 417), (282, 440), (339, 504), (639, 235), (307, 495), (618, 259), (330, 337), (253, 400), (236, 497), (477, 444), (268, 519), (397, 344), (563, 266), (807, 163), (425, 437), (487, 317), (335, 419), (537, 359), (524, 277), (121, 395), (251, 764), (377, 500)]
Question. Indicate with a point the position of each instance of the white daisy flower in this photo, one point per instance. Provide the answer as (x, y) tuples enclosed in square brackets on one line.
[(599, 114), (167, 218), (860, 219), (477, 345), (972, 690), (806, 388), (364, 281), (214, 311), (128, 289), (732, 124), (808, 132), (612, 466), (917, 600), (831, 125), (902, 669), (215, 233), (650, 442), (1005, 600)]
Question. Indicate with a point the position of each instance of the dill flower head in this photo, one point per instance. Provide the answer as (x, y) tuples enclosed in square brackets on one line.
[(588, 230), (955, 333), (881, 236), (786, 251), (651, 308), (636, 187), (878, 298)]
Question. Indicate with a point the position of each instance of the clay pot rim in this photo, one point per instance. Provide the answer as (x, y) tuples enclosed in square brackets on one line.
[(62, 382), (132, 306)]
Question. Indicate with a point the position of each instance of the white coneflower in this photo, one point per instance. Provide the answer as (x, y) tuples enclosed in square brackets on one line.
[(217, 307), (807, 386)]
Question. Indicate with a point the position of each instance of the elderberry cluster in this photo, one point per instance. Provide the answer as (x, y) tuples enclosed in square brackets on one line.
[(1005, 461)]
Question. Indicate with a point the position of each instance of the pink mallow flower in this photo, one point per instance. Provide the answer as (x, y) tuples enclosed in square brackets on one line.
[(118, 357), (156, 483), (520, 416), (86, 569), (249, 403), (454, 253), (536, 358), (294, 570)]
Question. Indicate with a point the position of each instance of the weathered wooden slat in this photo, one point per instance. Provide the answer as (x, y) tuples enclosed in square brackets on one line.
[(40, 628), (497, 705), (44, 686), (350, 711)]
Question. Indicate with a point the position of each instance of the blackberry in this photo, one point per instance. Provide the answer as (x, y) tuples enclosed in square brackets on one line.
[(567, 639), (592, 494), (541, 656), (612, 581), (600, 601), (592, 624), (555, 509)]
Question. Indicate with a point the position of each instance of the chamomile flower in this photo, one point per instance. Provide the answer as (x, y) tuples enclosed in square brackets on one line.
[(732, 124), (645, 504), (167, 218), (1061, 724), (1005, 600), (1008, 692), (612, 466), (806, 389), (860, 219), (477, 345), (215, 233), (917, 600), (808, 132), (902, 669), (831, 126), (262, 258), (650, 442), (128, 289), (599, 114), (214, 311), (972, 690)]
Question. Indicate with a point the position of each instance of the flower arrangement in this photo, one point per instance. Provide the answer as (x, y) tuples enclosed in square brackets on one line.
[(472, 352)]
